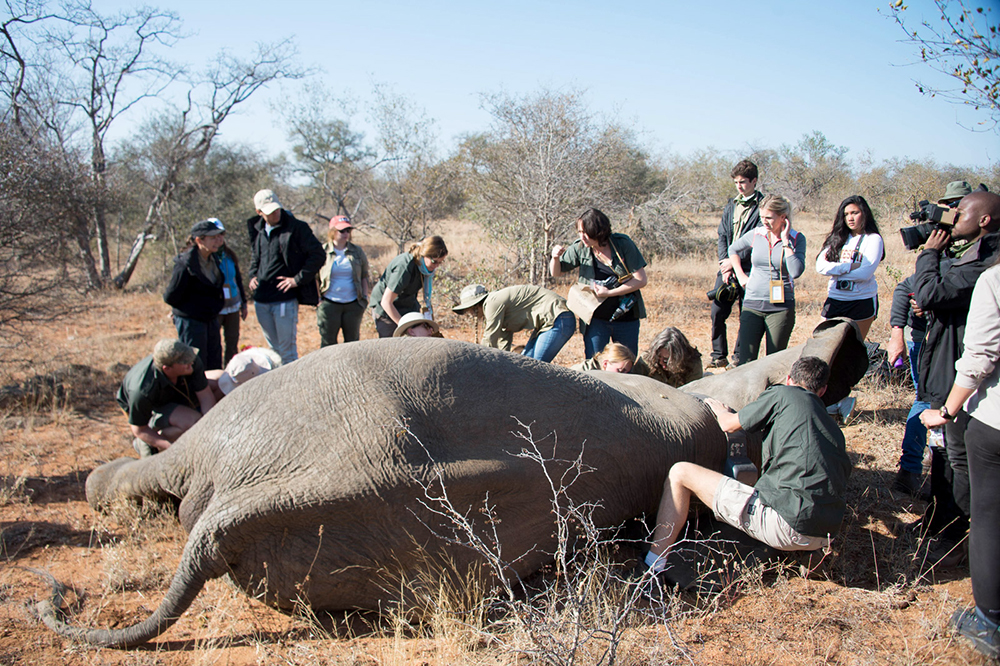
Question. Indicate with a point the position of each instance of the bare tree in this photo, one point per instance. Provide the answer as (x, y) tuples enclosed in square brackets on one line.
[(963, 43), (408, 186), (329, 152), (41, 196), (544, 160), (113, 66), (187, 136)]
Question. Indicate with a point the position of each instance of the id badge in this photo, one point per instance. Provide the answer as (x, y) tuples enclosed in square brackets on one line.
[(225, 293), (777, 291)]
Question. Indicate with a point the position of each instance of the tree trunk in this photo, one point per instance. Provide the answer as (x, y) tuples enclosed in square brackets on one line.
[(99, 165), (81, 231)]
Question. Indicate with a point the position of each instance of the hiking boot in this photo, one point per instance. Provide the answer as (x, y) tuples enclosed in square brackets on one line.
[(142, 448), (718, 363), (984, 635), (944, 552), (909, 483)]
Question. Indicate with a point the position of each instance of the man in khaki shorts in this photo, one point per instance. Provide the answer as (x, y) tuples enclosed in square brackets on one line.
[(798, 502)]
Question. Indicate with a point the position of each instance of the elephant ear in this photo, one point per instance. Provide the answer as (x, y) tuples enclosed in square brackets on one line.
[(836, 341)]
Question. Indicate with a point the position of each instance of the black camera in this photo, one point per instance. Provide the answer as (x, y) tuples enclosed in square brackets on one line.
[(727, 292), (933, 217), (845, 285)]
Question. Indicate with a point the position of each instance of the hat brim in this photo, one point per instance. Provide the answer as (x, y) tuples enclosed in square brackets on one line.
[(462, 307), (401, 330), (269, 207), (226, 383)]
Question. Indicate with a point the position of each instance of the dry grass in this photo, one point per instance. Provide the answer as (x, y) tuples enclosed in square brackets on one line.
[(867, 602)]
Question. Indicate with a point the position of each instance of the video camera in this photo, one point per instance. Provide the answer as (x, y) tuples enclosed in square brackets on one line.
[(933, 217)]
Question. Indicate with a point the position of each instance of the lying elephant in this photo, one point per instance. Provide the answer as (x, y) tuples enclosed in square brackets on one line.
[(306, 485)]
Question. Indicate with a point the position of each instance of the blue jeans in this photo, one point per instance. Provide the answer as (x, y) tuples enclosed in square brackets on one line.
[(915, 434), (279, 322), (545, 346), (599, 332)]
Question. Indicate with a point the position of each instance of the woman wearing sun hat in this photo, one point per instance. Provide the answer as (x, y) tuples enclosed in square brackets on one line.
[(522, 307), (416, 325), (343, 285)]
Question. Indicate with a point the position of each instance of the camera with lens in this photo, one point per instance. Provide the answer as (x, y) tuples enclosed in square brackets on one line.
[(933, 217), (845, 285), (727, 292)]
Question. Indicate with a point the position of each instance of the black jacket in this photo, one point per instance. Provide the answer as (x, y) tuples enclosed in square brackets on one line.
[(943, 288), (300, 250), (726, 230), (191, 293)]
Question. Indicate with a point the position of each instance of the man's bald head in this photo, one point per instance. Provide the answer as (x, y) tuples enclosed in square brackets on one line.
[(979, 214)]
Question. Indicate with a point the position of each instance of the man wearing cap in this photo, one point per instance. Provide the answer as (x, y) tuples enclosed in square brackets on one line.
[(523, 307), (942, 288), (163, 395), (195, 293), (343, 285), (285, 257), (907, 335)]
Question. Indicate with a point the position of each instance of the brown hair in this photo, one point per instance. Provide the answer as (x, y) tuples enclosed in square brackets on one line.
[(744, 168), (683, 359), (432, 247)]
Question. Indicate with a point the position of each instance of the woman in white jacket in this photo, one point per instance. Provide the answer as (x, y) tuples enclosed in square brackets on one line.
[(851, 253)]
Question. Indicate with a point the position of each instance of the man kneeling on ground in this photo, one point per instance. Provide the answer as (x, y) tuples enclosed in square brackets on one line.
[(798, 503), (164, 395)]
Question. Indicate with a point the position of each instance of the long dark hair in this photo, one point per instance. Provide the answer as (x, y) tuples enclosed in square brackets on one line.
[(838, 236)]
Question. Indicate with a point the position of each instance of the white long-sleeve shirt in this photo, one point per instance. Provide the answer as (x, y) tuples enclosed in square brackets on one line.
[(979, 366), (865, 285)]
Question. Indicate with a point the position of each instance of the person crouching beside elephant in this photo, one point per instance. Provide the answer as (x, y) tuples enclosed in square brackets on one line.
[(670, 359), (243, 367), (343, 285), (604, 257), (416, 325), (615, 357), (798, 502), (523, 307), (777, 257), (164, 395), (406, 276), (195, 292)]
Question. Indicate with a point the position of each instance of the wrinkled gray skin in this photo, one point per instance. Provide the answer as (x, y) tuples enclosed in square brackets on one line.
[(304, 484)]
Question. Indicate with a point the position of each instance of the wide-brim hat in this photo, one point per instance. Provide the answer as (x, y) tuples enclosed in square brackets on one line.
[(956, 190), (411, 319), (246, 365), (471, 295)]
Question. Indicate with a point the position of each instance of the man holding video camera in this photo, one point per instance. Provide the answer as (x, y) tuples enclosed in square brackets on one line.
[(943, 284)]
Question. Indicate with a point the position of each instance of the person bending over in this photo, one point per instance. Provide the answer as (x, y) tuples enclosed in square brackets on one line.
[(798, 503), (164, 395), (670, 359), (615, 357)]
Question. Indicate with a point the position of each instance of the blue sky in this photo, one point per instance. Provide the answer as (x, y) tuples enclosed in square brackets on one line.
[(685, 75)]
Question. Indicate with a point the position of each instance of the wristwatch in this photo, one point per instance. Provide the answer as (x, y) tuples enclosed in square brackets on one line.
[(945, 414)]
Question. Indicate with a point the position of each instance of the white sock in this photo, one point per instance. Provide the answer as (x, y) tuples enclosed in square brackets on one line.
[(656, 562)]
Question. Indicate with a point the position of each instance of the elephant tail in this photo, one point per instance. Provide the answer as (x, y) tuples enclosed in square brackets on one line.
[(188, 581)]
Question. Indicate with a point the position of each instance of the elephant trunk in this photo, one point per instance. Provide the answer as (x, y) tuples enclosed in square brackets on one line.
[(196, 567)]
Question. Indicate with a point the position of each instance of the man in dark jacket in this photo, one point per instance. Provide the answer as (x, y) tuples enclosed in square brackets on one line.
[(285, 256), (943, 285), (739, 216)]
